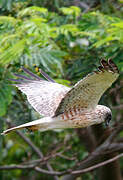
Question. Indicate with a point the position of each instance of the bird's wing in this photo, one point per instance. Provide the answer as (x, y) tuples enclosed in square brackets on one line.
[(44, 96), (88, 91)]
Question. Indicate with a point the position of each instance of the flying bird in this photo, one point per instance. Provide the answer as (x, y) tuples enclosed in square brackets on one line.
[(64, 107)]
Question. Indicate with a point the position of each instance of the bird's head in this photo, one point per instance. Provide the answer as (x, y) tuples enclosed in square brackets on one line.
[(104, 114)]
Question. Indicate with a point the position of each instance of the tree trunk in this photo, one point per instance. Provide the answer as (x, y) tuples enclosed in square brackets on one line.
[(111, 170)]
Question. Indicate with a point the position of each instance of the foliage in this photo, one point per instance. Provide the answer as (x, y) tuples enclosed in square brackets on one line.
[(66, 43), (37, 36), (5, 91)]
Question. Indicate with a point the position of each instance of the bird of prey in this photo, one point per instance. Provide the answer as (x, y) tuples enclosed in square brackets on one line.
[(64, 107)]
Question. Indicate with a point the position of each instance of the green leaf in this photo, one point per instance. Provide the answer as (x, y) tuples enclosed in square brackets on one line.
[(5, 97), (2, 104), (63, 81), (32, 11), (12, 53), (72, 10)]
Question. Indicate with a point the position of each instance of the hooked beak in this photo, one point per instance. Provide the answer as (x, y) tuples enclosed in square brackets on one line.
[(108, 118), (107, 121)]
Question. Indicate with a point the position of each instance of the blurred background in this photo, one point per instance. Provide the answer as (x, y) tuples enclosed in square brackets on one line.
[(66, 39)]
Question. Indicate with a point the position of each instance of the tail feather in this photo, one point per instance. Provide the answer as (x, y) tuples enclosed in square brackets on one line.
[(41, 124)]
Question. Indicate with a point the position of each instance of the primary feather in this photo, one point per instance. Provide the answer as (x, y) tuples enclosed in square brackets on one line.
[(67, 107), (88, 91)]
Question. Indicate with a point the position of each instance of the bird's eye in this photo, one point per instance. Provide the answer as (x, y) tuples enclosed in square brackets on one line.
[(108, 118)]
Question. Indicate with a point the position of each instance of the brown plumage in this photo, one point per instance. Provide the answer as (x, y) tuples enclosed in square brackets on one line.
[(65, 107)]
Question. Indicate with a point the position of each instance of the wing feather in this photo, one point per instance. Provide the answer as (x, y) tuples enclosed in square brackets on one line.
[(44, 96), (88, 91)]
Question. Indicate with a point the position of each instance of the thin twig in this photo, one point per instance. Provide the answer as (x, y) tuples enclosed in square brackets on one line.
[(114, 134), (29, 142), (95, 156), (15, 166), (84, 165), (63, 172), (97, 165), (50, 172), (36, 150)]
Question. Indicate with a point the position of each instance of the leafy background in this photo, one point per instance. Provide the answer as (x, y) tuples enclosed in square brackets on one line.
[(66, 39)]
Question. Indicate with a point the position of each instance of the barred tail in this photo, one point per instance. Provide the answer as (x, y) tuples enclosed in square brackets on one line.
[(40, 124)]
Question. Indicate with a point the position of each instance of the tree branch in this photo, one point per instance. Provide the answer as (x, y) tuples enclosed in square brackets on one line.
[(86, 165), (34, 148), (63, 172), (97, 165), (15, 166), (29, 142), (95, 157)]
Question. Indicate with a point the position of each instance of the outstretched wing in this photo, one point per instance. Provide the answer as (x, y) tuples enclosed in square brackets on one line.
[(44, 96), (87, 92)]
